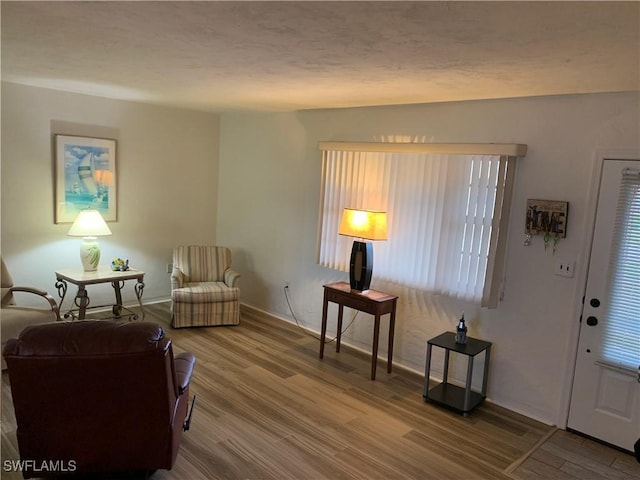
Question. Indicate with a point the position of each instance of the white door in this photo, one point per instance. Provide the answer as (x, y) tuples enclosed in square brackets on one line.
[(605, 400)]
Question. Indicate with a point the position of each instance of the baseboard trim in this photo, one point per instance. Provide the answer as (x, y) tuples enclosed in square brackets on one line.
[(398, 365)]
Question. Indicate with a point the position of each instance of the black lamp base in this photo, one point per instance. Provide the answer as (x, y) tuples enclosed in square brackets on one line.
[(361, 266)]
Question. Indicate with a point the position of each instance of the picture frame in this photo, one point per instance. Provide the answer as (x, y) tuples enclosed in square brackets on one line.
[(86, 177), (547, 217)]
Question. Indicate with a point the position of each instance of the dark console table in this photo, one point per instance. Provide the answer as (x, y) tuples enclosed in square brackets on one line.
[(372, 302)]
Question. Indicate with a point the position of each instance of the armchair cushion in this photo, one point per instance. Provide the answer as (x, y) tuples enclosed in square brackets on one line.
[(14, 317), (6, 282), (202, 263), (205, 292)]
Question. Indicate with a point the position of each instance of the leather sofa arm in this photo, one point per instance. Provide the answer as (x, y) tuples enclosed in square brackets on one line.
[(184, 363), (52, 302), (231, 278)]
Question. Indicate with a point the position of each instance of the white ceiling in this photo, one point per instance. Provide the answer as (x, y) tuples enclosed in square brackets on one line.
[(222, 56)]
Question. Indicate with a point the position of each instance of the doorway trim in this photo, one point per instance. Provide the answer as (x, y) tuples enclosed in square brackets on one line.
[(582, 272)]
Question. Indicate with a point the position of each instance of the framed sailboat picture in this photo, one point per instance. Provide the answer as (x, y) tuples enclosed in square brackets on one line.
[(85, 177)]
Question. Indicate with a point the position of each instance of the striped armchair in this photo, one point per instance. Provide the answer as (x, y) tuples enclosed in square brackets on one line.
[(204, 289)]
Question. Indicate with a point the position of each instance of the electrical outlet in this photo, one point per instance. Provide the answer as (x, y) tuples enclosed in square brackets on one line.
[(564, 268), (169, 267)]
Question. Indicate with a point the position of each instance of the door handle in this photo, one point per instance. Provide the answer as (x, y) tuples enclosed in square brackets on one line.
[(592, 321)]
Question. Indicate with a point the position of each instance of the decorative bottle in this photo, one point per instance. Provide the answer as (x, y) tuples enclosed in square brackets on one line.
[(461, 331)]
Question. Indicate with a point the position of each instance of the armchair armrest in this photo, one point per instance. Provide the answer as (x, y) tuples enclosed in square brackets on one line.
[(184, 363), (35, 291), (177, 278), (231, 278)]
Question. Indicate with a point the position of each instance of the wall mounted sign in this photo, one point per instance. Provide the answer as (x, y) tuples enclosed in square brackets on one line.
[(85, 177), (547, 218)]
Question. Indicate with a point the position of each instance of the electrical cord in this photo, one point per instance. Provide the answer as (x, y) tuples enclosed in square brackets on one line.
[(286, 296)]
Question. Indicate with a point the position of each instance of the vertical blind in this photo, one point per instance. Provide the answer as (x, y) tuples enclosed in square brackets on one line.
[(621, 341), (446, 217)]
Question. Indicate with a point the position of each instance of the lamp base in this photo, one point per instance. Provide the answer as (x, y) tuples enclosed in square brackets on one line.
[(90, 254), (361, 266)]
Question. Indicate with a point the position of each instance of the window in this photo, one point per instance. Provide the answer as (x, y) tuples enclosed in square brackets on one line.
[(447, 209), (621, 343)]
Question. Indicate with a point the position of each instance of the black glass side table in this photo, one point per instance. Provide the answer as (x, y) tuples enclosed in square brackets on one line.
[(461, 399)]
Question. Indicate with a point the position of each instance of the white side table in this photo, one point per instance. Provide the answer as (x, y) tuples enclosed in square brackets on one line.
[(103, 274)]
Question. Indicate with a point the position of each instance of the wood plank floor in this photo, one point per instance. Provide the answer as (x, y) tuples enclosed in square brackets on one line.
[(567, 456), (268, 408)]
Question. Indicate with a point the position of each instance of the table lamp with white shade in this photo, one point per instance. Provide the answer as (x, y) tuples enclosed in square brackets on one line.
[(89, 224), (366, 225)]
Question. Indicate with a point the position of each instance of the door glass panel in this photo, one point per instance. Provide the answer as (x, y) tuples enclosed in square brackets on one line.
[(622, 328)]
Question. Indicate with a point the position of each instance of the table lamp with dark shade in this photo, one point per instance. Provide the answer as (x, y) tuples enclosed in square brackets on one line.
[(366, 225)]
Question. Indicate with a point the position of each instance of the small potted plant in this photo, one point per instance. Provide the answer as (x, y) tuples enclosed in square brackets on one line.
[(120, 265)]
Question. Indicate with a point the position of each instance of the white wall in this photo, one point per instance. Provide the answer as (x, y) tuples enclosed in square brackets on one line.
[(268, 213), (267, 210), (167, 165)]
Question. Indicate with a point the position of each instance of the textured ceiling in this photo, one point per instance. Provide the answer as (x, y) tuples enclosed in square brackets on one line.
[(221, 56)]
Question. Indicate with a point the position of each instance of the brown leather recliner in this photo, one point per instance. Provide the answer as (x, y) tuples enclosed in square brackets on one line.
[(97, 396)]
